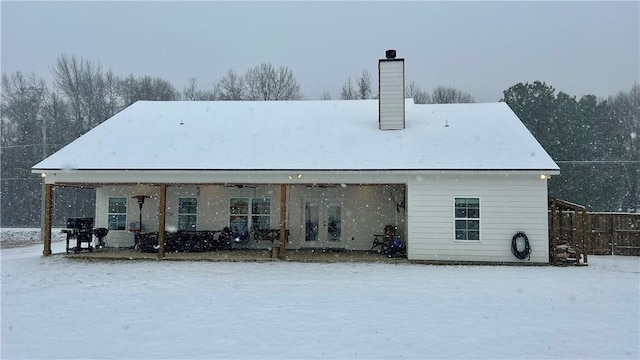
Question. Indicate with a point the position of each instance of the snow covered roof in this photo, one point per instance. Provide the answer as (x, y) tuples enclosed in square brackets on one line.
[(303, 135)]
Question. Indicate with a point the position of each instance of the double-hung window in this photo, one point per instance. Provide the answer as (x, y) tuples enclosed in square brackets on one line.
[(117, 215), (249, 213), (467, 218), (187, 213), (261, 213)]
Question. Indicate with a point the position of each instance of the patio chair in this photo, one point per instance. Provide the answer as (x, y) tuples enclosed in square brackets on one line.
[(383, 241)]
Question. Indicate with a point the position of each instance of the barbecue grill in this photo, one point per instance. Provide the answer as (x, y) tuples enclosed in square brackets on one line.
[(101, 233), (80, 229)]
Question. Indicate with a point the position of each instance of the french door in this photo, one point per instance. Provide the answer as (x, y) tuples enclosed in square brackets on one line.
[(323, 223)]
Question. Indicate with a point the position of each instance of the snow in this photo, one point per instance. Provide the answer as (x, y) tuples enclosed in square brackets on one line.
[(303, 135), (55, 307), (13, 237)]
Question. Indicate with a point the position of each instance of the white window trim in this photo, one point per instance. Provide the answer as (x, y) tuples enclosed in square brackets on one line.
[(479, 219), (126, 212), (250, 213)]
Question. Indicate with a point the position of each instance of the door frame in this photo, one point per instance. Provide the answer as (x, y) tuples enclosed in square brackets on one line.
[(323, 240)]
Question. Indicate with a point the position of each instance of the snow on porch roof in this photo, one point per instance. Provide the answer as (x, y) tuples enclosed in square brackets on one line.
[(303, 135)]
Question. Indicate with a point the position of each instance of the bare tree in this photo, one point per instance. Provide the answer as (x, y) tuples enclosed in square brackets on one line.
[(21, 109), (55, 113), (348, 91), (189, 91), (68, 73), (449, 95), (146, 88), (364, 85), (414, 92), (111, 100), (325, 95), (361, 90), (192, 93), (229, 87), (262, 82), (91, 93), (265, 82), (22, 130)]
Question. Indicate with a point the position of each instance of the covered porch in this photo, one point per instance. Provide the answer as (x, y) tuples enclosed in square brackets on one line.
[(307, 218)]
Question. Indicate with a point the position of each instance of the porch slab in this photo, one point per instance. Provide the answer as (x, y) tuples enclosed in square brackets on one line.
[(305, 255)]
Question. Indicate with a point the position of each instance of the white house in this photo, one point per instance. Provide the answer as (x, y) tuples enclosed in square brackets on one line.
[(458, 180)]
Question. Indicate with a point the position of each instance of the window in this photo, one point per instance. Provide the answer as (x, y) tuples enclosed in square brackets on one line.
[(249, 213), (117, 213), (261, 213), (467, 218), (187, 213)]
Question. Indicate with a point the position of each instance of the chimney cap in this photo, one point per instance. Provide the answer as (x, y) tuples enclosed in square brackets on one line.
[(390, 54)]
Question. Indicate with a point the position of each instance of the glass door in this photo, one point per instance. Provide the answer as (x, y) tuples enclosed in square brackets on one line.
[(334, 222), (323, 224), (311, 221)]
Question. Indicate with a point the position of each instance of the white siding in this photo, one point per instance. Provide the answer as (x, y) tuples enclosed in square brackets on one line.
[(125, 238), (391, 88), (508, 204)]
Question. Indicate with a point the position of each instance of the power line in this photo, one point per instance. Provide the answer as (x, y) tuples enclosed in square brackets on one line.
[(26, 145), (598, 161)]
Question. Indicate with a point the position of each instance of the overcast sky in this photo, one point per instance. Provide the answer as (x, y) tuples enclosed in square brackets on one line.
[(479, 47)]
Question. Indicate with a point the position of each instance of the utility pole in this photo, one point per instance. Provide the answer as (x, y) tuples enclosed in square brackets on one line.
[(43, 213)]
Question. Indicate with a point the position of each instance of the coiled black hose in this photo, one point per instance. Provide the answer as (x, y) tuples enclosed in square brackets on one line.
[(526, 252)]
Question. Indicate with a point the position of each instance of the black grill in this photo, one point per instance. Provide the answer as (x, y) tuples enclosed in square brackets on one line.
[(80, 229), (80, 223)]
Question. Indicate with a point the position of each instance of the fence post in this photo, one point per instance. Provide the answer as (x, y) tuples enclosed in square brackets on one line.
[(586, 231), (612, 233)]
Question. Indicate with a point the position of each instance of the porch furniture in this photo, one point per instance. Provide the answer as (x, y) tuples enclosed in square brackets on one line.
[(268, 235), (382, 242), (183, 241), (204, 240), (196, 241), (397, 248), (230, 240)]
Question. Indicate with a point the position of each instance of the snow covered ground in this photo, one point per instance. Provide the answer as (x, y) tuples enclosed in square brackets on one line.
[(54, 307)]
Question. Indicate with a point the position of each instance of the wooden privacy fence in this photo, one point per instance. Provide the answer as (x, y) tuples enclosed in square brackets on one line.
[(575, 233), (614, 233)]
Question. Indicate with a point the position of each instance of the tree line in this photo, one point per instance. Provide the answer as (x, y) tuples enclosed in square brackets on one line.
[(360, 89), (596, 140)]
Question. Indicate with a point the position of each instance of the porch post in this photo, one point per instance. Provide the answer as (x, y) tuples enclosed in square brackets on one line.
[(283, 221), (48, 215), (587, 233), (162, 221)]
